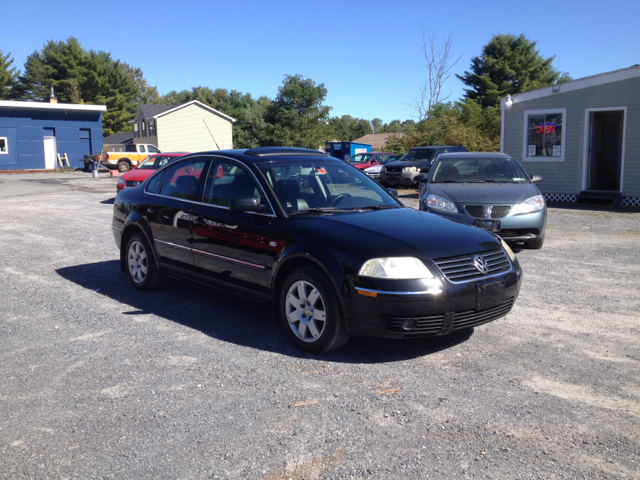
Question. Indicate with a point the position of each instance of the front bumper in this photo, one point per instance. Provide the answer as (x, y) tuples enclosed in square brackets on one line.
[(399, 178), (459, 306), (513, 228)]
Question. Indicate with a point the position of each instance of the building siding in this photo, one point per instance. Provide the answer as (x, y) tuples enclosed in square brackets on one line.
[(566, 176), (184, 131), (26, 129)]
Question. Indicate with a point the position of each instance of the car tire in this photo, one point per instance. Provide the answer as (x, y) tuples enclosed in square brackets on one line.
[(140, 263), (536, 244), (311, 312), (124, 166)]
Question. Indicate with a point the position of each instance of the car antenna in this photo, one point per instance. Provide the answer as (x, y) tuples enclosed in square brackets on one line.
[(214, 139)]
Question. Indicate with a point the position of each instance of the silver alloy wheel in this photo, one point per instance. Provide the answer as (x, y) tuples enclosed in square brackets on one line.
[(305, 311), (137, 260)]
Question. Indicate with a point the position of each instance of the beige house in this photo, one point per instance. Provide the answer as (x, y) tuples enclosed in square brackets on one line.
[(187, 127), (580, 136)]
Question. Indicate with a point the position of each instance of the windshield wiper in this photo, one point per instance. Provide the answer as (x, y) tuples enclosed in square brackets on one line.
[(320, 211), (379, 207), (444, 181)]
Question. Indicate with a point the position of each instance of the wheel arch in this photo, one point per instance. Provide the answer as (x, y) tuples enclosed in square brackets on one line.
[(285, 266), (128, 231)]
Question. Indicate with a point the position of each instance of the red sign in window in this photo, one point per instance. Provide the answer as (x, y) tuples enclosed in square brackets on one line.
[(546, 128)]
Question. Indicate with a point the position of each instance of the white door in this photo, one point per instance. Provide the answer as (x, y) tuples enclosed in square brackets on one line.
[(49, 153)]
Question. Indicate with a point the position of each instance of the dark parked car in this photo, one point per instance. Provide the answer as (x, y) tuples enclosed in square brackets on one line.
[(335, 258), (416, 161), (489, 190)]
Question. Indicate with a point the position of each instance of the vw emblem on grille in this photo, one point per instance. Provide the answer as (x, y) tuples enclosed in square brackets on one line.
[(135, 184), (481, 264)]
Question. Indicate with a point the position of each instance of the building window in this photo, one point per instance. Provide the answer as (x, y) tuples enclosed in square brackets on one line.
[(136, 133), (4, 148), (144, 128), (152, 128), (544, 135)]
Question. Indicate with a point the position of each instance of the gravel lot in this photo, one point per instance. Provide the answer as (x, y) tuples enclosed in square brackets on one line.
[(101, 381)]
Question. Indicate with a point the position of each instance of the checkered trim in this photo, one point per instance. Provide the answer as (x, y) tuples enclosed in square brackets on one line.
[(630, 201), (573, 198), (560, 197)]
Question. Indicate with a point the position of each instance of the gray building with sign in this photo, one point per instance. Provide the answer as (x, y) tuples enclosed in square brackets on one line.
[(582, 137)]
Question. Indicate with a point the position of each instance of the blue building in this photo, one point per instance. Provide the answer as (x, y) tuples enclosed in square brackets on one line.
[(345, 150), (32, 133)]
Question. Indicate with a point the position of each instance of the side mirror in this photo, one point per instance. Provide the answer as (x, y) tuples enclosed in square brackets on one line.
[(420, 178), (393, 192), (247, 204), (536, 178)]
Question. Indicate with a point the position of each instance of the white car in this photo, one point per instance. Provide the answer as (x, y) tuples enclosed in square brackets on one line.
[(374, 172)]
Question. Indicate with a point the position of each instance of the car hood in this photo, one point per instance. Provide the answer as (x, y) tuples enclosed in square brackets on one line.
[(483, 193), (136, 175), (374, 169), (426, 165), (400, 232)]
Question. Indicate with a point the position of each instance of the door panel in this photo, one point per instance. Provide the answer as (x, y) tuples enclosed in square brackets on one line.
[(49, 152), (170, 216), (228, 245)]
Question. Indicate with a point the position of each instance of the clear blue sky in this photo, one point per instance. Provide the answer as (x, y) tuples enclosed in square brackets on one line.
[(368, 54)]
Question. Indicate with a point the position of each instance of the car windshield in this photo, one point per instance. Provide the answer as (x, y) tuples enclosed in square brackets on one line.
[(419, 155), (360, 158), (312, 187), (479, 170), (154, 162)]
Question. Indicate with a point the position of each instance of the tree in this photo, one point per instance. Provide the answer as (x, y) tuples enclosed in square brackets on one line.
[(376, 125), (439, 64), (297, 117), (8, 76), (509, 64), (81, 76), (461, 123)]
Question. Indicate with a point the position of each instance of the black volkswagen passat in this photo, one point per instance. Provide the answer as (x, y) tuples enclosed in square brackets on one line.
[(335, 253)]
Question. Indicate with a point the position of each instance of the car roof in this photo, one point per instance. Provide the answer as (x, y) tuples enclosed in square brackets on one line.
[(434, 146), (170, 154), (474, 155), (272, 154)]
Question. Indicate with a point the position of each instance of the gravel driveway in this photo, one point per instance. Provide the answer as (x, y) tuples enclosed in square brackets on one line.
[(98, 380)]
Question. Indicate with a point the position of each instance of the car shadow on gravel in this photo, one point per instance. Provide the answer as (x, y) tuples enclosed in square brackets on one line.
[(236, 319)]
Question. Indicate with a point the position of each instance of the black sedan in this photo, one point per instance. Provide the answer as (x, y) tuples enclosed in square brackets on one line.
[(488, 190), (335, 253)]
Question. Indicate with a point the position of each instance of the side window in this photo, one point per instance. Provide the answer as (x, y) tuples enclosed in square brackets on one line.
[(142, 150), (155, 182), (226, 181), (181, 180), (152, 149), (136, 133)]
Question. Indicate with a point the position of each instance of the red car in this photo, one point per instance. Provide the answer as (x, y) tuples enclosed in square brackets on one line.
[(136, 176), (369, 159)]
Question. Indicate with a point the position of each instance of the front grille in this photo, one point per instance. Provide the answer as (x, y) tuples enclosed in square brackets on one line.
[(129, 184), (475, 210), (426, 325), (519, 232), (478, 211), (462, 269), (471, 318), (499, 211), (393, 169)]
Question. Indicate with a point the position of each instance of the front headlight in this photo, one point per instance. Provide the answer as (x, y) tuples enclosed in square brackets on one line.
[(401, 268), (121, 181), (438, 203), (530, 205), (507, 249), (409, 169)]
